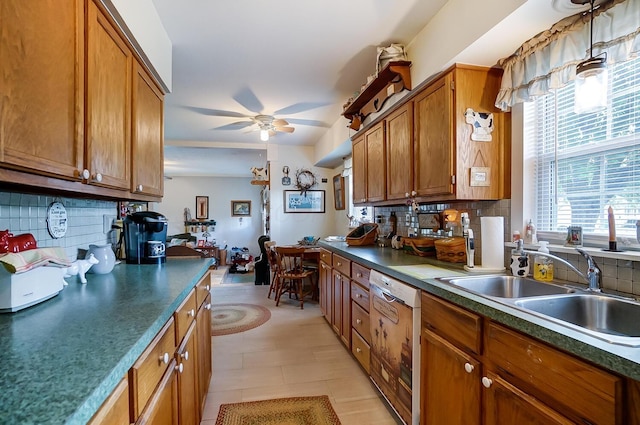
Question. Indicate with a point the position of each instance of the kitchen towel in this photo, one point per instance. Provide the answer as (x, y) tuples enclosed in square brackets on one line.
[(18, 262), (492, 240)]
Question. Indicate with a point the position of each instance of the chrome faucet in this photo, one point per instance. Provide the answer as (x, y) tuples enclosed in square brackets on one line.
[(593, 276)]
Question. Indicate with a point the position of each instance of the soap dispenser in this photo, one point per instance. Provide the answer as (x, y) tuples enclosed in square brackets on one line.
[(543, 265), (519, 260)]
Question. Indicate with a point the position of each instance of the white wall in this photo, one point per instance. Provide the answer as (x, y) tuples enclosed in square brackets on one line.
[(289, 228), (181, 192)]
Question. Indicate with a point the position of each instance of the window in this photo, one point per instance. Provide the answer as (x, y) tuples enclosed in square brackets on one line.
[(586, 163)]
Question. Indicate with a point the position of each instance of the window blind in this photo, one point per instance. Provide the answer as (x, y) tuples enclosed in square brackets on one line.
[(586, 163)]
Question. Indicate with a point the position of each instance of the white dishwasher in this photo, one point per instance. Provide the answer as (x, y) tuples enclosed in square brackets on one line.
[(394, 311)]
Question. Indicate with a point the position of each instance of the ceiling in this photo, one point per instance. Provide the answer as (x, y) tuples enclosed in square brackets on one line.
[(296, 60)]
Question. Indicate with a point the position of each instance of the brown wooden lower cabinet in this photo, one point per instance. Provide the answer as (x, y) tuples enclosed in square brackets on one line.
[(162, 408), (485, 373), (115, 410), (168, 384)]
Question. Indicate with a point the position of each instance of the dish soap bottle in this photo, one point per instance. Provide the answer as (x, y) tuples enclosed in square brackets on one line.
[(543, 265), (519, 260)]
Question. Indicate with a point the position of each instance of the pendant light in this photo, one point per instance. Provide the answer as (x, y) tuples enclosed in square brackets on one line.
[(591, 76)]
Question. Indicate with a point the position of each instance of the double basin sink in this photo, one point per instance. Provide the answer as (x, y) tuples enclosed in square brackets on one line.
[(612, 319)]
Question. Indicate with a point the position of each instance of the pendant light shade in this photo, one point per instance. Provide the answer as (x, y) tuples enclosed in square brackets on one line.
[(591, 78)]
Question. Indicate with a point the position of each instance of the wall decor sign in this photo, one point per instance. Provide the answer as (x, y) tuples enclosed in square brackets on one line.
[(240, 208), (482, 123), (57, 220), (311, 201), (286, 180), (202, 207)]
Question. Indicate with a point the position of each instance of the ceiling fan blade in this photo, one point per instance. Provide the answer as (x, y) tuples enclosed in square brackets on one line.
[(247, 98), (300, 107), (285, 129), (216, 112), (313, 123), (272, 133), (279, 122), (235, 125)]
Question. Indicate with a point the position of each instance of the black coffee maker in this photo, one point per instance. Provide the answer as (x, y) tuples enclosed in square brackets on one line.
[(145, 234)]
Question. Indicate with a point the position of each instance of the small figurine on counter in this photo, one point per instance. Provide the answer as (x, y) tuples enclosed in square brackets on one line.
[(80, 267)]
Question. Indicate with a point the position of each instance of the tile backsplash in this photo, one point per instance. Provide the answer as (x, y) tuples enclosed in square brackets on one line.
[(27, 213), (619, 275)]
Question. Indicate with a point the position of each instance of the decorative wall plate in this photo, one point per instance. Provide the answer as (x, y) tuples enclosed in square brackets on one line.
[(57, 220)]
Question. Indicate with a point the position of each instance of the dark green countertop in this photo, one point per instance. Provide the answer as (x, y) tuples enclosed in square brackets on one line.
[(395, 263), (64, 356)]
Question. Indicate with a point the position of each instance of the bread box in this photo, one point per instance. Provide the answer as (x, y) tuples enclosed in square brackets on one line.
[(451, 250)]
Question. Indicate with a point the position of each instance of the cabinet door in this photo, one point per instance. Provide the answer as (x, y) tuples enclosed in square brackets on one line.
[(204, 355), (115, 410), (42, 86), (325, 290), (433, 146), (336, 303), (345, 330), (359, 167), (147, 137), (162, 409), (400, 152), (450, 384), (505, 404), (375, 166), (108, 141), (188, 399)]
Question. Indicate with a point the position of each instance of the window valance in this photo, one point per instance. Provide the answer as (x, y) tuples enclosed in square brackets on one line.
[(548, 60)]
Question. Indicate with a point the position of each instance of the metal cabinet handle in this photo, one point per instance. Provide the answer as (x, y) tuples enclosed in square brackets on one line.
[(358, 274), (486, 382), (98, 177), (468, 367), (191, 313), (208, 306), (185, 355), (180, 368), (358, 350), (164, 358)]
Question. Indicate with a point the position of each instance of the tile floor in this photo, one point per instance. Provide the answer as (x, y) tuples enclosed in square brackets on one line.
[(294, 354)]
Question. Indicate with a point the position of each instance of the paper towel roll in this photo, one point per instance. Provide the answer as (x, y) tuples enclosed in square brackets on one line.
[(492, 234)]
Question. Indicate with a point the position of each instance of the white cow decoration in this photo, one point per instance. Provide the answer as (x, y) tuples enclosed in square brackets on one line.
[(80, 267), (259, 173), (482, 123)]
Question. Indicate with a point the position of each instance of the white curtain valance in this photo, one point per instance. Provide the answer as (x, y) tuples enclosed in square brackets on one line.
[(548, 60)]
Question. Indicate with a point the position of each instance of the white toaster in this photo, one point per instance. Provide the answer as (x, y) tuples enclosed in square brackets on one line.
[(22, 290)]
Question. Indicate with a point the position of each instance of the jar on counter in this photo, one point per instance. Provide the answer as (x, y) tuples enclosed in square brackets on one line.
[(104, 254)]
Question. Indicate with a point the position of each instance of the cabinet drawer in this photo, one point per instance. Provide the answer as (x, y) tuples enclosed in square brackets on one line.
[(455, 324), (360, 350), (146, 372), (325, 256), (581, 391), (185, 315), (360, 295), (360, 274), (342, 265), (203, 289), (360, 322)]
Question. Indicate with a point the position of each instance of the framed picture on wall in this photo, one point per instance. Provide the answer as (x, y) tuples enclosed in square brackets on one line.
[(338, 192), (311, 201), (202, 207), (240, 208)]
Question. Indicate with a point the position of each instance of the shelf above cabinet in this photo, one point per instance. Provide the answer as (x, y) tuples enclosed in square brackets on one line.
[(392, 79)]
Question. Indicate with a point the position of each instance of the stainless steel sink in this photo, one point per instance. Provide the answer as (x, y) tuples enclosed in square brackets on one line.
[(506, 286), (614, 319)]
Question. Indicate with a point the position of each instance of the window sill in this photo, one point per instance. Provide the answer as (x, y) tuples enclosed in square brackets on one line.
[(629, 255)]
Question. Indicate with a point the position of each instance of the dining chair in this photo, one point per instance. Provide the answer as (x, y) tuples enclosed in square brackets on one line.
[(269, 247), (292, 275)]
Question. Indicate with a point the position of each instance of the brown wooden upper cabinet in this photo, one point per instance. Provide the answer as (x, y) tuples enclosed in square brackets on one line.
[(42, 86), (109, 66), (147, 148), (431, 149), (75, 96), (368, 153)]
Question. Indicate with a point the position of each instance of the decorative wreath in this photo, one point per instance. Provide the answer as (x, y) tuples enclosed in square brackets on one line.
[(305, 180)]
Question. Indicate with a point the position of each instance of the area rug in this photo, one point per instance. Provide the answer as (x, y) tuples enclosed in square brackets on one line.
[(281, 411), (233, 318)]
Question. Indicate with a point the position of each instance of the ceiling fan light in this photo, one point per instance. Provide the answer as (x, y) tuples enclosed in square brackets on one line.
[(591, 86), (264, 135)]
